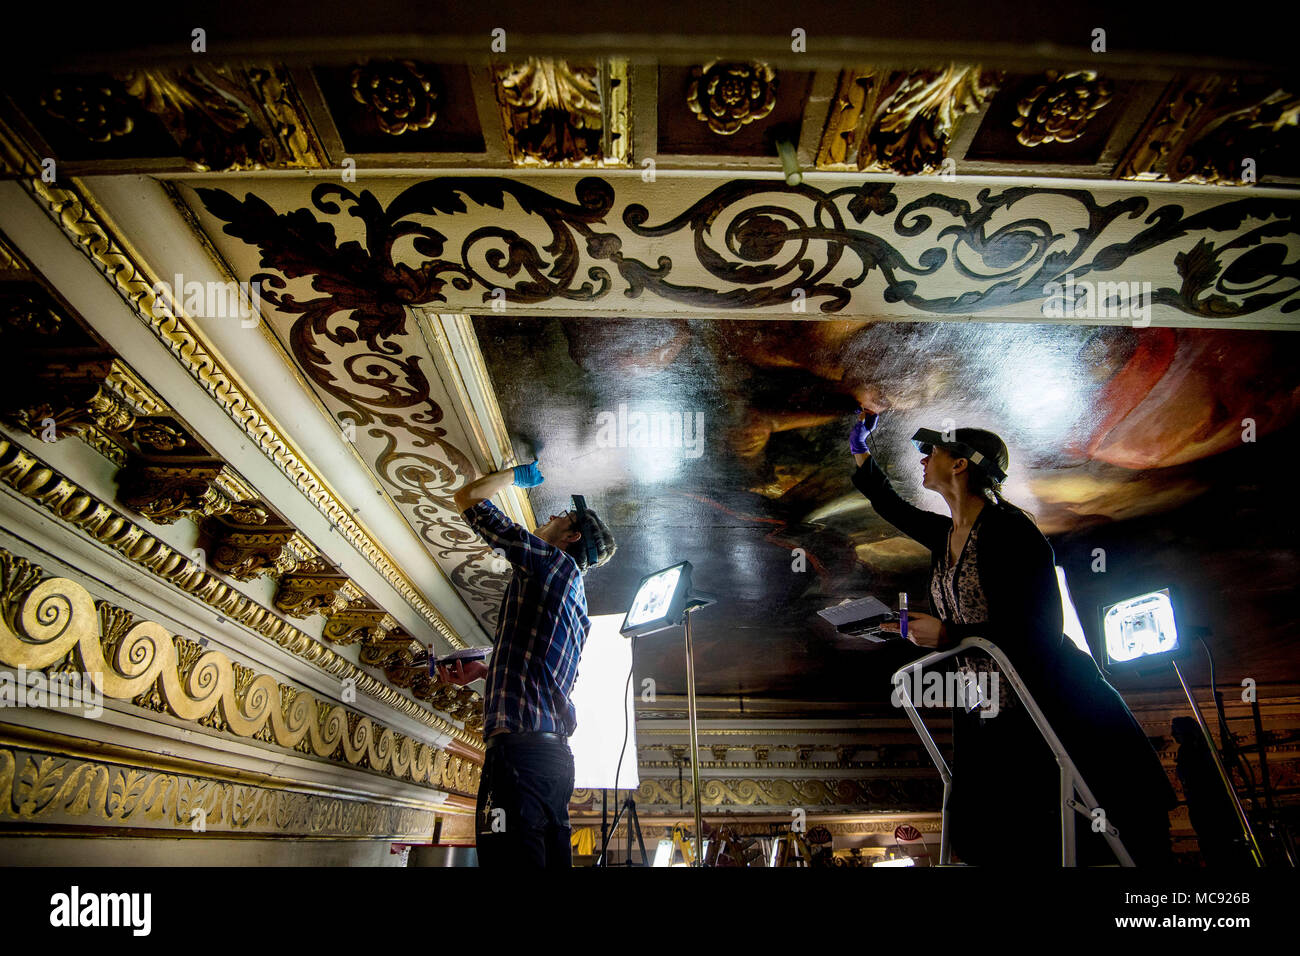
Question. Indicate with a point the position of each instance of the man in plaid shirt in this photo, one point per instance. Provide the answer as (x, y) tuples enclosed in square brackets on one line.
[(523, 801)]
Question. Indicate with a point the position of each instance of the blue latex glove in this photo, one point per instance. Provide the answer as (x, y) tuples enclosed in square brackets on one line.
[(859, 432), (528, 476)]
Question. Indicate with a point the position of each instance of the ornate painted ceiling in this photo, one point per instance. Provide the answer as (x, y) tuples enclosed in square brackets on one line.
[(449, 255)]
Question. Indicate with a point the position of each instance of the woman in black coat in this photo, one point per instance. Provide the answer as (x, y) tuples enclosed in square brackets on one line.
[(993, 575)]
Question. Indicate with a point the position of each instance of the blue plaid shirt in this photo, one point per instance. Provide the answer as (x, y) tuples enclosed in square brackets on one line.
[(542, 629)]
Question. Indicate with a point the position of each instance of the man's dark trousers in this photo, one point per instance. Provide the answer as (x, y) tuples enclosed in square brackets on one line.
[(523, 802)]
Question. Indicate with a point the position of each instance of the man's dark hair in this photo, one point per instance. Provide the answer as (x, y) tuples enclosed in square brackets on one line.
[(592, 529)]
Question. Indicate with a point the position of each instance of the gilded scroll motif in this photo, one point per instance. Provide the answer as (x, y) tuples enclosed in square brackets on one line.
[(72, 504), (44, 620)]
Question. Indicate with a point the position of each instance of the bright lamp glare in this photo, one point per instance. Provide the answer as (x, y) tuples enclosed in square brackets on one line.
[(663, 853), (1140, 627), (603, 700), (652, 600), (901, 861)]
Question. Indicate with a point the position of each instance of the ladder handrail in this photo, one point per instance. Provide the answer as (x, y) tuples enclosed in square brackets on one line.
[(1072, 781)]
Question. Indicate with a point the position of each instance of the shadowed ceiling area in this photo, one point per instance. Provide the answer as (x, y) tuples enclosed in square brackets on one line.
[(724, 443)]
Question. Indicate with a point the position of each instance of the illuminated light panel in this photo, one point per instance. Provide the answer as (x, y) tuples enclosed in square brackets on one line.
[(1140, 627)]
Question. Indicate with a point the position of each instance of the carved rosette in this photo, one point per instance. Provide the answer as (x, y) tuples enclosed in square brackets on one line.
[(244, 555), (397, 94), (901, 121), (728, 95), (552, 111), (168, 493), (1059, 108), (98, 110), (301, 595)]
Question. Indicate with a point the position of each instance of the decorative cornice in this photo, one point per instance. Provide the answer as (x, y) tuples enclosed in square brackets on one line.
[(55, 623), (40, 790), (71, 503), (909, 793), (72, 212), (168, 493), (244, 553)]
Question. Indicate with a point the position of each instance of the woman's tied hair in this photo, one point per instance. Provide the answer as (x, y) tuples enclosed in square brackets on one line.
[(991, 447)]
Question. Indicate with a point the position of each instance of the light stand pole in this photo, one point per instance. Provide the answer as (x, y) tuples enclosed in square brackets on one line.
[(1242, 820), (695, 741)]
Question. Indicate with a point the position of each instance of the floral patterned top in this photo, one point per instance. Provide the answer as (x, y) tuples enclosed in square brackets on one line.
[(957, 597)]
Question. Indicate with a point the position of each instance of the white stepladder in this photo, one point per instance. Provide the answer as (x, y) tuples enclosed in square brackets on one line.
[(1076, 797)]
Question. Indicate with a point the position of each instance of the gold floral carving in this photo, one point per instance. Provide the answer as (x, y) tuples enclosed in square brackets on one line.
[(900, 121), (69, 502), (552, 111), (136, 284), (397, 94), (359, 625), (300, 148), (245, 554), (167, 493), (302, 595), (1206, 127), (728, 95), (42, 622), (52, 789), (1059, 108)]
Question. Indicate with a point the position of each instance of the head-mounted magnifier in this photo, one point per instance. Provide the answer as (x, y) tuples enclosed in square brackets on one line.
[(588, 539), (926, 439)]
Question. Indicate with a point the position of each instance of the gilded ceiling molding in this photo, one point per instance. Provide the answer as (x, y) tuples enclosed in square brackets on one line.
[(244, 554), (397, 94), (223, 118), (55, 623), (729, 95), (924, 822), (561, 113), (877, 793), (168, 493), (72, 504), (1059, 108), (45, 789), (304, 593), (760, 244), (900, 121), (86, 401), (1206, 127), (360, 626), (136, 284)]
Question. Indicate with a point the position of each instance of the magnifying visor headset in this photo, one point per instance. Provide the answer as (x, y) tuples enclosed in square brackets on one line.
[(927, 439), (583, 524)]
